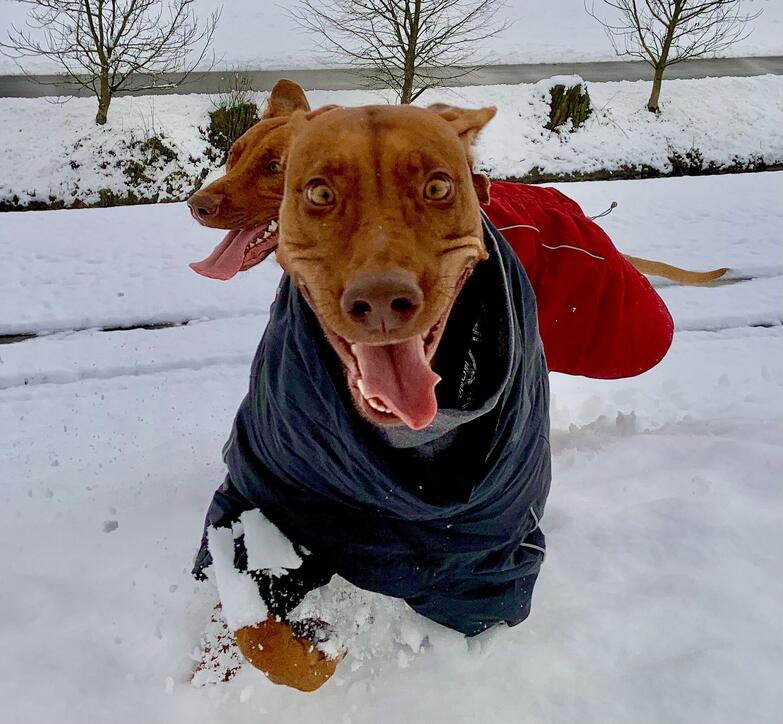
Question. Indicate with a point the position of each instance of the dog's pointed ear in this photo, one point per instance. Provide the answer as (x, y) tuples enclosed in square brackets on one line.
[(442, 108), (285, 98), (467, 122)]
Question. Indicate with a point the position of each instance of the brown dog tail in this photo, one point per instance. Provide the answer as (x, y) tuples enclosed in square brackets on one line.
[(681, 276)]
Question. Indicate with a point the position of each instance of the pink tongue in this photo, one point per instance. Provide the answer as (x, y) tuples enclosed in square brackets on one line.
[(226, 260), (401, 377)]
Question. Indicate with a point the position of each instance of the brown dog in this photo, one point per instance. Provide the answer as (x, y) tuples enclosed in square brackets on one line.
[(246, 200), (381, 271)]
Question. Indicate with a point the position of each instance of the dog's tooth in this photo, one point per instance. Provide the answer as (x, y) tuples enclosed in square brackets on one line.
[(273, 225), (362, 389), (377, 406)]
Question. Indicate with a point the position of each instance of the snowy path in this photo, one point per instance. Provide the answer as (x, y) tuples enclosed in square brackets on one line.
[(39, 86), (128, 266), (660, 599)]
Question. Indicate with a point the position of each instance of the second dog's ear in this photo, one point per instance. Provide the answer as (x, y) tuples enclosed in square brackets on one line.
[(285, 98)]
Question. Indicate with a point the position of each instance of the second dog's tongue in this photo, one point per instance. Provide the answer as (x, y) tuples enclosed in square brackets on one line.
[(227, 258), (401, 377)]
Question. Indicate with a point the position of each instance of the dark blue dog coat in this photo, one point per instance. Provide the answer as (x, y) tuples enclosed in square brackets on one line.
[(445, 518)]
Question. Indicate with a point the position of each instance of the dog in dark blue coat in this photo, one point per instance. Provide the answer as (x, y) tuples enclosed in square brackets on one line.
[(396, 426)]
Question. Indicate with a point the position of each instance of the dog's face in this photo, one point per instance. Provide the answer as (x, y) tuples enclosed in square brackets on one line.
[(380, 227), (247, 199)]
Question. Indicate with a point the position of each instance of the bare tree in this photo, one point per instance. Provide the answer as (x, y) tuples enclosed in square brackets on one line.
[(111, 45), (408, 45), (665, 32)]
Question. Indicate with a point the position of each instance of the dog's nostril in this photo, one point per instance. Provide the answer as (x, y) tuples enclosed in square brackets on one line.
[(403, 305), (204, 204), (359, 309)]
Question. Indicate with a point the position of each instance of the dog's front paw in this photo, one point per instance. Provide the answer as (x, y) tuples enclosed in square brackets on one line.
[(285, 658)]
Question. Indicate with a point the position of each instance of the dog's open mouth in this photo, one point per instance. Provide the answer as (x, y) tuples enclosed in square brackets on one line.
[(240, 250), (394, 383)]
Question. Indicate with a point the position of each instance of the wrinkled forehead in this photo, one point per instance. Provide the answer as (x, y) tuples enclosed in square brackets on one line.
[(376, 139)]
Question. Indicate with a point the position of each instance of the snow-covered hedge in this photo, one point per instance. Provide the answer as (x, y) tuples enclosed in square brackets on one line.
[(154, 148)]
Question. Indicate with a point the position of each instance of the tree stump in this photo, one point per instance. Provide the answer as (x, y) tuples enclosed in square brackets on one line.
[(568, 102)]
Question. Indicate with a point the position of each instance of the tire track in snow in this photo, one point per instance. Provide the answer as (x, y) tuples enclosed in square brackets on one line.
[(17, 380)]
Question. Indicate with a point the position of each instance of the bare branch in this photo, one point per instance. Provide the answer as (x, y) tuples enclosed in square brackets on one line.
[(408, 45)]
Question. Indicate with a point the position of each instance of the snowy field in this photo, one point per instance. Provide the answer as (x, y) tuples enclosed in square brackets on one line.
[(258, 34), (660, 599), (725, 119)]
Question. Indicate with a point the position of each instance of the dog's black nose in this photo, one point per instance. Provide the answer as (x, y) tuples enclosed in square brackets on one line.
[(382, 302), (204, 204)]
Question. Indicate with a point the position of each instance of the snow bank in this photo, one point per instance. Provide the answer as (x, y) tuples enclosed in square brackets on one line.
[(727, 120)]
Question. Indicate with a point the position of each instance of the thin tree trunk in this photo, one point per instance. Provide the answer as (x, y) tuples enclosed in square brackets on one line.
[(409, 68), (406, 93), (655, 95), (663, 59), (104, 98)]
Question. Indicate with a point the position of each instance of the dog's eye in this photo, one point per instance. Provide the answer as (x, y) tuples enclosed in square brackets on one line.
[(319, 194), (438, 188), (274, 166)]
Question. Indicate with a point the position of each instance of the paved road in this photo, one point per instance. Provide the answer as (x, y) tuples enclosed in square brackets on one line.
[(12, 86)]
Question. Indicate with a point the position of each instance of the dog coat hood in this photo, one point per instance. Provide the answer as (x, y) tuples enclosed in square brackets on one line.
[(448, 521)]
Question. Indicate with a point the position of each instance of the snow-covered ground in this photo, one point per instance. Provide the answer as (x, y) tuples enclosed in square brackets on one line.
[(725, 119), (259, 34), (660, 599), (118, 267)]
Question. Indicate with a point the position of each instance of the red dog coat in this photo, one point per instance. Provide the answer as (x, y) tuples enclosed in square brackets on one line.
[(598, 316)]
